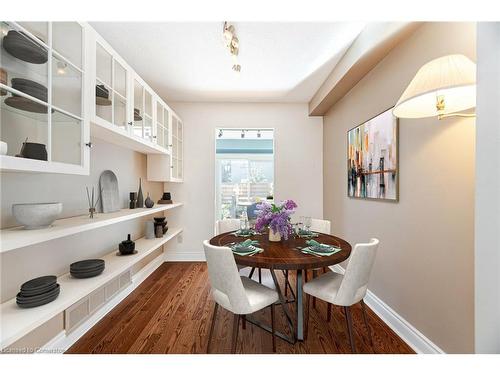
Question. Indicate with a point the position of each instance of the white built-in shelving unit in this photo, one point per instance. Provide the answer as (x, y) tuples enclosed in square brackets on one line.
[(17, 322)]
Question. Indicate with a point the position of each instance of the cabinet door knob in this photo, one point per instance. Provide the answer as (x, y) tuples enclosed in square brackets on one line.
[(89, 144), (130, 123)]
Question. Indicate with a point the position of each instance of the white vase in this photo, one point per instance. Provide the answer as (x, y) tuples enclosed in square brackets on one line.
[(274, 236)]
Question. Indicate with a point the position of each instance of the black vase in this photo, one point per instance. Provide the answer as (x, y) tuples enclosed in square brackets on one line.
[(149, 202), (140, 198)]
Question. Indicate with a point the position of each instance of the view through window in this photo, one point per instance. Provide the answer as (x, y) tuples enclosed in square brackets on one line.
[(244, 170)]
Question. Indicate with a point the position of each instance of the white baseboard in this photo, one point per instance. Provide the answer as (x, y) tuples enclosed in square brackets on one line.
[(184, 256), (412, 336), (62, 342)]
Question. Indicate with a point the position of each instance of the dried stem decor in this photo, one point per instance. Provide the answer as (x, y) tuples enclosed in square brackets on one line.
[(92, 203)]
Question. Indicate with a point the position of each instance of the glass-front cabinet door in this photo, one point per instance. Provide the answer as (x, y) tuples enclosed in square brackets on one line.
[(143, 112), (162, 125), (177, 149), (42, 98), (111, 98)]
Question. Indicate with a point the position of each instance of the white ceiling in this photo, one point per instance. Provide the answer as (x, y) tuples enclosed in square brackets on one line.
[(280, 62)]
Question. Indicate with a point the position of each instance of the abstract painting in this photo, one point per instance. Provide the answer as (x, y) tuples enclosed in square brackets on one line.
[(372, 158)]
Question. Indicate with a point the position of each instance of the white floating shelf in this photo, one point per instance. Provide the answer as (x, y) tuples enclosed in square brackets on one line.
[(17, 322), (15, 238)]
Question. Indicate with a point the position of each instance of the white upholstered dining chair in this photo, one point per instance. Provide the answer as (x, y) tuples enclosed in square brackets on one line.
[(347, 289), (237, 294), (226, 225), (322, 226)]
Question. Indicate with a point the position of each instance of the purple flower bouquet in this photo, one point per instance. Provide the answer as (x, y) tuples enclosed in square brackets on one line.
[(276, 218)]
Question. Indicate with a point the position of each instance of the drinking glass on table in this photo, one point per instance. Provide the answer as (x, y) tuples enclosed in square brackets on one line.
[(307, 223)]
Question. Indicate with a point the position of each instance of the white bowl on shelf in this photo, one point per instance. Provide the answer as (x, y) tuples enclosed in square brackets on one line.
[(36, 215)]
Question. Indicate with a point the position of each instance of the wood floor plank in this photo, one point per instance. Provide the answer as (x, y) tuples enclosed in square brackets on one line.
[(171, 312)]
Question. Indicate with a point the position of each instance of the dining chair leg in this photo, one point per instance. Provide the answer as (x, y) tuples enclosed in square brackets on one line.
[(260, 276), (286, 282), (244, 321), (329, 312), (251, 272), (212, 325), (347, 311), (234, 341), (272, 328), (325, 270), (305, 276), (363, 309)]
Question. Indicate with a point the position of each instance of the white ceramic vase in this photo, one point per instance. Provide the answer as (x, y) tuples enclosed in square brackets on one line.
[(274, 236)]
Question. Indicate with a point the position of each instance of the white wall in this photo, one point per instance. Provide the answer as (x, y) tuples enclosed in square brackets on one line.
[(425, 263), (54, 257), (487, 211), (298, 163)]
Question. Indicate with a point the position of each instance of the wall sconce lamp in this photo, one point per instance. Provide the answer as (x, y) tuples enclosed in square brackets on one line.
[(441, 88)]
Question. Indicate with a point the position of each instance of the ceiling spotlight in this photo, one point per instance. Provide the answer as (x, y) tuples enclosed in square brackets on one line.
[(61, 67), (220, 133), (258, 134)]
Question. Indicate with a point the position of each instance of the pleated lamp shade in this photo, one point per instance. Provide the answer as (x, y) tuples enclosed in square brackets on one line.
[(442, 86)]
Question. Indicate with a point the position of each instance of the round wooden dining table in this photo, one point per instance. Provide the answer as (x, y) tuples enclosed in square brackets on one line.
[(286, 255)]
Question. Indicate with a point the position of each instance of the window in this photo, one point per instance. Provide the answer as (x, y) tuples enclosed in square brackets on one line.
[(244, 170)]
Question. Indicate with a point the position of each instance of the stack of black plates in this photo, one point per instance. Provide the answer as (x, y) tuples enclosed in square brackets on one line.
[(102, 95), (38, 292), (22, 47), (137, 114), (87, 268), (30, 87)]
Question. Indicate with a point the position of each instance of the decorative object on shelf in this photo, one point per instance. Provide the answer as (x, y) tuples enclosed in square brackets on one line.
[(92, 202), (110, 198), (137, 114), (140, 197), (149, 202), (22, 47), (4, 79), (150, 230), (3, 148), (38, 292), (133, 200), (165, 199), (30, 87), (160, 226), (86, 268), (372, 159), (32, 150), (127, 247), (102, 95), (442, 87), (276, 217), (36, 215)]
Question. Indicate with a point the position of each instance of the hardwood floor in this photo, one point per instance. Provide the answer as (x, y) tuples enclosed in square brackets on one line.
[(171, 312)]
